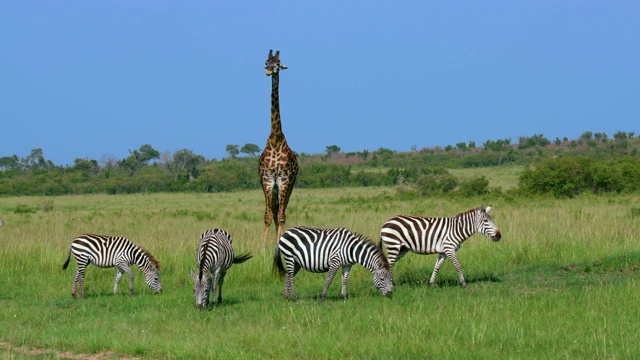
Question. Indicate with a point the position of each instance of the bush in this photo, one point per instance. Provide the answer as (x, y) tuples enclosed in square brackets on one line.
[(436, 183), (475, 186), (23, 209), (568, 177)]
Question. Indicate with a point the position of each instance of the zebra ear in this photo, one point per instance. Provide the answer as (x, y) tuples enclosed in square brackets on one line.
[(488, 209), (193, 274)]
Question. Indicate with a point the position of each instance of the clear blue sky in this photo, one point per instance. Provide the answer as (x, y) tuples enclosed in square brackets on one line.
[(84, 79)]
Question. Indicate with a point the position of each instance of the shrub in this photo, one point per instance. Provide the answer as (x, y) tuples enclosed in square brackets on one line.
[(475, 186)]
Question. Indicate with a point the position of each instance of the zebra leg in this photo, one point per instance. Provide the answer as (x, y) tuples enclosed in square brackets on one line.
[(289, 292), (78, 277), (436, 268), (119, 273), (456, 263), (123, 268), (333, 269), (345, 277), (216, 284)]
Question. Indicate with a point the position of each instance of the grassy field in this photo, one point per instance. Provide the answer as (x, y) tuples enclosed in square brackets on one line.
[(562, 283)]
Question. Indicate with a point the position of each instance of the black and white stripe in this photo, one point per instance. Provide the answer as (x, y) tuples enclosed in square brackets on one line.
[(109, 251), (322, 250), (431, 235), (214, 256)]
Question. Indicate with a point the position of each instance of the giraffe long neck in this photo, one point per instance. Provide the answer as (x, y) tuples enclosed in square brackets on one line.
[(276, 135)]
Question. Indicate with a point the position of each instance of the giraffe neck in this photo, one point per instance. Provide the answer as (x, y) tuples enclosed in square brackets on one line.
[(276, 135)]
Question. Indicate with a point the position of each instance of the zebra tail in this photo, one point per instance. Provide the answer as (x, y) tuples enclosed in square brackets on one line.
[(242, 258), (278, 267), (66, 263)]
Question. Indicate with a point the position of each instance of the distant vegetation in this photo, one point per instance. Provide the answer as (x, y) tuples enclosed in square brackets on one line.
[(593, 163)]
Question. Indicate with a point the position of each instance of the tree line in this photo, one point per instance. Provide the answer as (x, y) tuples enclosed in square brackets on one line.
[(564, 168)]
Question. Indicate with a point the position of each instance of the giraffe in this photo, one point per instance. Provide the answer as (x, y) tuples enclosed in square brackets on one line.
[(278, 166)]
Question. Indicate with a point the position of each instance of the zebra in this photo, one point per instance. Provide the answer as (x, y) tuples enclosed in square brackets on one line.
[(214, 256), (322, 250), (431, 235), (109, 251)]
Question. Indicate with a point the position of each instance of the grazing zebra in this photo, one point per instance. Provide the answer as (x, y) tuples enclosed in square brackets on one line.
[(322, 250), (214, 256), (109, 251), (431, 235)]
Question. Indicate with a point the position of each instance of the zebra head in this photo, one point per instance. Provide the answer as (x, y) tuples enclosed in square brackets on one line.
[(486, 226), (382, 280), (152, 278), (201, 287)]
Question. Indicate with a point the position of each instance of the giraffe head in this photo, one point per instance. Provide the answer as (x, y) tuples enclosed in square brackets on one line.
[(273, 64)]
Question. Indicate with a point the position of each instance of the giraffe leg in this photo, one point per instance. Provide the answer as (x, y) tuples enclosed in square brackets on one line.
[(285, 189), (269, 199)]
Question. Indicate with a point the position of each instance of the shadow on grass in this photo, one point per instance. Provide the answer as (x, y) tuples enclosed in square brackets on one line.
[(420, 279)]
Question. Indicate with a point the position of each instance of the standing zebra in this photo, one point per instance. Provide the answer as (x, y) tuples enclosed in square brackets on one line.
[(322, 250), (431, 235), (214, 256), (109, 251)]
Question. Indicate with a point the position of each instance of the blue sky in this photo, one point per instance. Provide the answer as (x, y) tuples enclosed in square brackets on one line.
[(88, 79)]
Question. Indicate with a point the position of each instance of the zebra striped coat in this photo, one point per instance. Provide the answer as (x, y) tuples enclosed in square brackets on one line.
[(109, 251), (326, 250), (433, 235), (214, 256)]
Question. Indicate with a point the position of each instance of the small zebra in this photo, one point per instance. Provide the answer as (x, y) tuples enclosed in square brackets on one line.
[(109, 251), (322, 250), (431, 235), (214, 256)]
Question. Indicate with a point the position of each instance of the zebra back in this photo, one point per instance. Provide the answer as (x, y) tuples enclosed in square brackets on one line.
[(216, 249)]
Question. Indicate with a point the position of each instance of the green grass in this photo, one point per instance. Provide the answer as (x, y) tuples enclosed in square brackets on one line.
[(562, 282)]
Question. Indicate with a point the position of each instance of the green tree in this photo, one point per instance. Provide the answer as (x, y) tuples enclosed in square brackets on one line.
[(36, 161), (232, 150), (332, 149), (10, 163), (250, 149), (138, 158)]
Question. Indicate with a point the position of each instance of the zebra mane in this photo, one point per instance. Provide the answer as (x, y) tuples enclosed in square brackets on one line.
[(468, 211), (203, 257), (371, 243), (155, 261)]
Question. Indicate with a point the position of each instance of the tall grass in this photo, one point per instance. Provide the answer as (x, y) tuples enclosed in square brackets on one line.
[(562, 282)]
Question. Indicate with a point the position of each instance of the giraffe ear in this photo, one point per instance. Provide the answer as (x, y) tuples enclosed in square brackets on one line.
[(283, 67)]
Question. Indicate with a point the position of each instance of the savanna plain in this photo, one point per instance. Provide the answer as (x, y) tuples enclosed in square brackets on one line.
[(561, 284)]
